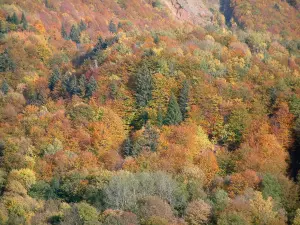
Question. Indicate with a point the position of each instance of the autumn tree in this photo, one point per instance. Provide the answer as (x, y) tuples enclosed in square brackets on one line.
[(173, 115)]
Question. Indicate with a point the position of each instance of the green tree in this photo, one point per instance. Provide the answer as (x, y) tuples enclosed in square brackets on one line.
[(75, 34), (160, 118), (64, 33), (127, 147), (82, 26), (143, 86), (6, 63), (91, 87), (54, 78), (4, 87), (173, 116), (112, 27), (183, 100), (24, 21), (82, 85), (15, 19)]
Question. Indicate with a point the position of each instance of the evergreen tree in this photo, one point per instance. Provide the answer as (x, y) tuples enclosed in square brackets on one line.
[(75, 34), (184, 100), (55, 76), (127, 147), (8, 19), (24, 21), (91, 87), (143, 86), (14, 19), (72, 86), (6, 63), (151, 137), (82, 26), (64, 33), (173, 116), (82, 85), (159, 119), (4, 87), (112, 27)]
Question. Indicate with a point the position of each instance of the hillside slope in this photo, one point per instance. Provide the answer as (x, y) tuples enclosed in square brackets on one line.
[(143, 112)]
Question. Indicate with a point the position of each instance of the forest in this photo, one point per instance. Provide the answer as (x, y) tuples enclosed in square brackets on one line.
[(133, 112)]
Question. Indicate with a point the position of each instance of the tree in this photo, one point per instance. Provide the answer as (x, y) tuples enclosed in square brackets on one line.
[(127, 147), (64, 32), (24, 21), (184, 99), (82, 85), (112, 27), (173, 116), (159, 118), (55, 77), (75, 34), (197, 212), (143, 86), (14, 19), (6, 63), (91, 87), (82, 26), (4, 87)]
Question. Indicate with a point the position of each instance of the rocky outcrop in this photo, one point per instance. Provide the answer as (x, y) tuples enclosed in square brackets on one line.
[(195, 11)]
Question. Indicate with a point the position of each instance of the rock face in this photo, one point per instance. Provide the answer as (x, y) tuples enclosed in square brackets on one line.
[(195, 11)]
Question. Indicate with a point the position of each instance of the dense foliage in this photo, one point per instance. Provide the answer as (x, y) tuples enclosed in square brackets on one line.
[(116, 112)]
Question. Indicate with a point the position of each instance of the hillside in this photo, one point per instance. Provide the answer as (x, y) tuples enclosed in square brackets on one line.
[(149, 112)]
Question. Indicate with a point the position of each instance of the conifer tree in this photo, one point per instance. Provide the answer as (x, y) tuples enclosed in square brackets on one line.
[(82, 26), (91, 87), (55, 76), (159, 119), (14, 19), (24, 21), (4, 87), (82, 85), (64, 33), (6, 63), (183, 100), (75, 34), (143, 86), (127, 147), (112, 27), (173, 116)]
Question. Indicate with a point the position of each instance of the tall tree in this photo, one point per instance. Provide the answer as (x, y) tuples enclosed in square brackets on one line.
[(55, 76), (183, 100), (75, 34), (173, 116), (24, 21), (15, 19), (82, 85), (91, 87), (64, 33), (82, 26), (112, 27), (143, 86), (6, 63)]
